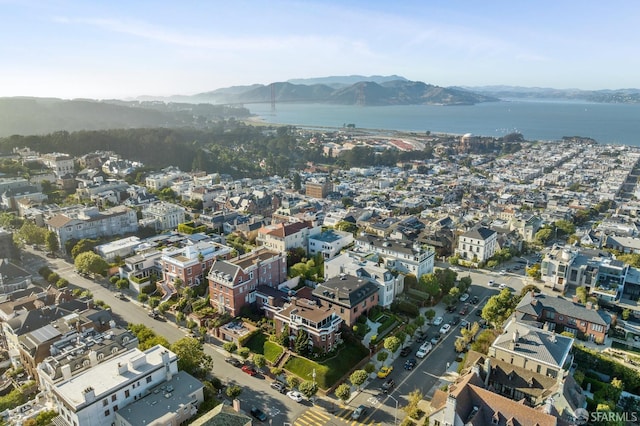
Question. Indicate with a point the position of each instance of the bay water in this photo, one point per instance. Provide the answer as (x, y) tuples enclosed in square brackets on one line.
[(536, 120)]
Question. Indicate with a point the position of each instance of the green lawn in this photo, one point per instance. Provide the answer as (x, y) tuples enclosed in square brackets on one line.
[(260, 344), (330, 371)]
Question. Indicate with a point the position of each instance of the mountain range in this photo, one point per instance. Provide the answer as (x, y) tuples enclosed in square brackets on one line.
[(368, 91), (625, 96)]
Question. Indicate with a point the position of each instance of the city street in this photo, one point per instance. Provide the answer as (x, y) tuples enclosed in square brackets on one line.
[(256, 391)]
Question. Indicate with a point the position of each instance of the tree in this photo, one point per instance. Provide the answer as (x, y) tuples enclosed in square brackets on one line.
[(483, 341), (143, 297), (301, 345), (259, 360), (82, 246), (343, 392), (163, 307), (625, 314), (369, 368), (51, 241), (454, 293), (382, 356), (62, 282), (244, 352), (460, 344), (358, 377), (413, 400), (464, 284), (534, 271), (293, 381), (191, 356), (90, 262), (430, 314), (229, 347), (499, 307), (308, 388), (582, 294), (233, 391), (543, 235), (297, 182), (122, 284), (529, 288), (429, 284), (392, 344), (419, 322)]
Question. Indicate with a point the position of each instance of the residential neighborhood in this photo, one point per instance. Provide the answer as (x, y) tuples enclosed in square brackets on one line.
[(514, 278)]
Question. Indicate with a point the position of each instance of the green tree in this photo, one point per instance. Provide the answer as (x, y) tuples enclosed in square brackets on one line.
[(392, 344), (244, 352), (369, 368), (233, 391), (51, 242), (147, 338), (293, 381), (465, 283), (358, 377), (543, 235), (343, 392), (499, 307), (382, 356), (430, 285), (259, 360), (122, 284), (62, 282), (82, 246), (483, 341), (582, 294), (301, 345), (90, 262), (430, 314), (626, 313), (297, 182), (191, 356), (534, 271), (565, 227), (308, 388), (230, 347), (460, 344), (413, 400), (143, 297)]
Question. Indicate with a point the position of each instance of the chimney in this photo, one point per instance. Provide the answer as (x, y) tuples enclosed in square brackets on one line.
[(589, 305), (450, 407), (487, 369), (89, 395), (236, 405), (93, 358), (66, 371), (122, 368), (166, 362)]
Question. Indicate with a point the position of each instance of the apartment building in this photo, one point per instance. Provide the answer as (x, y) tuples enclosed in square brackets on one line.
[(329, 243), (404, 257), (232, 283), (477, 245), (162, 216), (351, 296), (286, 236)]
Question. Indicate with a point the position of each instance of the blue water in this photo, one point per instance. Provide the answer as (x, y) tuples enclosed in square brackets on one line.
[(536, 120)]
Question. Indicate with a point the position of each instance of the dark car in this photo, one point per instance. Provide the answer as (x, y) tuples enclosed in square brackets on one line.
[(388, 385), (234, 362), (465, 309), (258, 414), (121, 296), (358, 412), (479, 312), (475, 300), (405, 351), (454, 320), (452, 308), (154, 315), (409, 364), (421, 337)]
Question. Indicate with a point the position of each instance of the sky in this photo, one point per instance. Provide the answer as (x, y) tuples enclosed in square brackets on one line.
[(123, 49)]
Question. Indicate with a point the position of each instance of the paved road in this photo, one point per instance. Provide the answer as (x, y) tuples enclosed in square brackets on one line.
[(256, 391)]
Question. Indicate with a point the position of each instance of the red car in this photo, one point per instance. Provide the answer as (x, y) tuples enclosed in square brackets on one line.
[(249, 370), (465, 309)]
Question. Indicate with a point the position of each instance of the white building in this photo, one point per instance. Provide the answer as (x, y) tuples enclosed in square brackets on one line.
[(162, 216), (119, 248), (477, 245), (352, 264), (61, 164), (92, 223), (398, 256), (286, 236), (96, 395), (329, 243)]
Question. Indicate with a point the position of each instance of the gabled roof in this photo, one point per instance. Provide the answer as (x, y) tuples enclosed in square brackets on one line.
[(534, 304), (481, 233), (346, 290)]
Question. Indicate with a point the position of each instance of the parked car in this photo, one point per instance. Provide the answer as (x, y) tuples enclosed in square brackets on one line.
[(465, 324), (465, 309), (358, 412), (438, 321), (492, 283), (424, 350), (445, 329), (279, 386), (249, 370), (455, 320), (295, 395), (452, 308), (502, 286), (475, 300), (479, 311), (234, 362), (464, 297), (421, 337), (405, 351), (435, 339), (410, 363), (121, 296), (384, 372), (258, 414), (388, 385)]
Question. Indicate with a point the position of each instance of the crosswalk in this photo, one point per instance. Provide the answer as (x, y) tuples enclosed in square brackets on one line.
[(314, 417)]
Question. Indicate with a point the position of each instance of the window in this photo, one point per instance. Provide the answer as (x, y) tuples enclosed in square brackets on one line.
[(105, 402), (189, 270), (106, 413), (148, 379), (560, 318), (115, 408), (114, 397), (538, 369), (126, 393)]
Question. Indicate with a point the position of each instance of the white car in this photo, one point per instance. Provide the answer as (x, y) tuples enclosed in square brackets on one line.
[(424, 350), (295, 395), (464, 297), (502, 286), (492, 283), (445, 329), (438, 321)]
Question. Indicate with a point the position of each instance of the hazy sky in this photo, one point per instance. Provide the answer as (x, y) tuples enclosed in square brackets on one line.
[(115, 49)]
